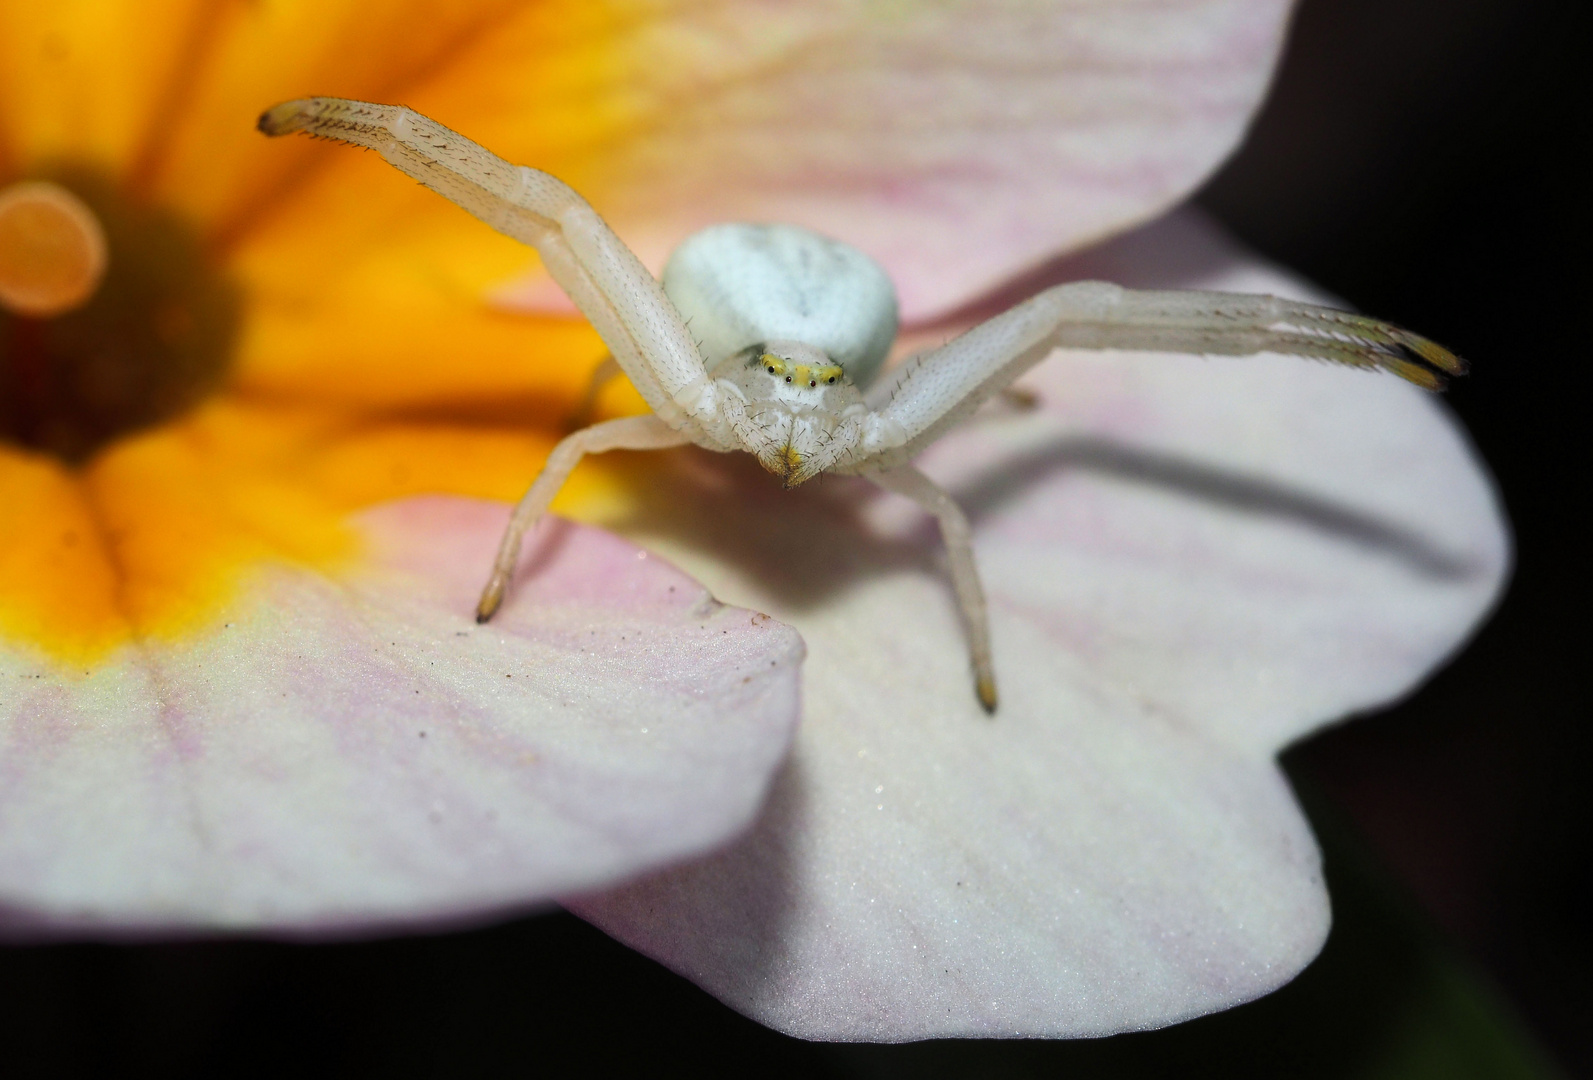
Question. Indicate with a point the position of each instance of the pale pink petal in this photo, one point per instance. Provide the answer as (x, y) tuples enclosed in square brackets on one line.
[(956, 142), (344, 755), (1190, 563)]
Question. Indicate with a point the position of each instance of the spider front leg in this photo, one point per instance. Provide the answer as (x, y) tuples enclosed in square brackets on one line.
[(956, 534), (604, 278), (645, 335), (627, 433), (932, 391)]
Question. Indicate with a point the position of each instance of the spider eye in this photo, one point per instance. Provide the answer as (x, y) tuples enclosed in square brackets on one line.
[(771, 369), (830, 379), (813, 382), (788, 378)]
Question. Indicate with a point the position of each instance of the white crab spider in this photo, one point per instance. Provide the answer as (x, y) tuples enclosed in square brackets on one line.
[(787, 330)]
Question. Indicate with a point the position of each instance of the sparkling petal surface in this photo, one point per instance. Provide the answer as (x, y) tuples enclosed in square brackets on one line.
[(1190, 563), (340, 753)]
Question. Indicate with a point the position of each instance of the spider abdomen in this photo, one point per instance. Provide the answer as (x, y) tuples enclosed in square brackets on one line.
[(738, 285)]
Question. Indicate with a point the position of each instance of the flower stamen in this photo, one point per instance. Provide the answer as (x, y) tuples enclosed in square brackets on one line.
[(52, 250)]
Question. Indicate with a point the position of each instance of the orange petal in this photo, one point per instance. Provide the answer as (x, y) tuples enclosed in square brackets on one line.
[(155, 537), (58, 586), (152, 538), (223, 172), (84, 81), (354, 307)]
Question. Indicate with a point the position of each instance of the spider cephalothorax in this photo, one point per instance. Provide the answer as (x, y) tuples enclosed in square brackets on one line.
[(794, 400), (737, 348)]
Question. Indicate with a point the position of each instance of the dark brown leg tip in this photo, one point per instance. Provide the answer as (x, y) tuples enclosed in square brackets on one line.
[(985, 687), (284, 119)]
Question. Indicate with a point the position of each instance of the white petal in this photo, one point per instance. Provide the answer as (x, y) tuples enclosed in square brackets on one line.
[(1190, 562), (347, 755), (909, 130)]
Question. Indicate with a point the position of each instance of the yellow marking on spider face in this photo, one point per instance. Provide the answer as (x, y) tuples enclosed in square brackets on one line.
[(793, 460), (801, 374)]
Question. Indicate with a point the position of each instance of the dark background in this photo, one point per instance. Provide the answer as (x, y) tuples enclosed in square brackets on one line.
[(1416, 158), (1419, 158)]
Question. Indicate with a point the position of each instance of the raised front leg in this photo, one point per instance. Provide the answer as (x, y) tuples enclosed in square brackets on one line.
[(602, 276), (958, 538), (626, 433)]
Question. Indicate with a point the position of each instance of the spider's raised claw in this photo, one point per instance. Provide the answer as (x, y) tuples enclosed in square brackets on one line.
[(286, 118), (1360, 341)]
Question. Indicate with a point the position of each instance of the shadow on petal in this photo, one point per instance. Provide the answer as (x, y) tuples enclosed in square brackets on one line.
[(748, 891), (809, 545), (1249, 494)]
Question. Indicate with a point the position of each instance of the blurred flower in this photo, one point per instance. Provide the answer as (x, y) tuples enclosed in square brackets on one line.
[(240, 687)]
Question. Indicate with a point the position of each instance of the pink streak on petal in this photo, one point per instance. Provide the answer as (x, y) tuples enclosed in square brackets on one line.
[(958, 143), (354, 755)]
